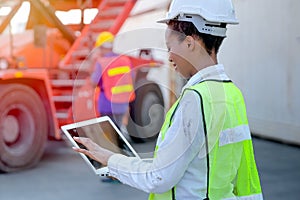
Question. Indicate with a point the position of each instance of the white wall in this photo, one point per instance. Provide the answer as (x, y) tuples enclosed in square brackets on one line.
[(261, 55)]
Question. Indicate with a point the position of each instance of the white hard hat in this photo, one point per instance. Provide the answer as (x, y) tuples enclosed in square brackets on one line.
[(206, 15)]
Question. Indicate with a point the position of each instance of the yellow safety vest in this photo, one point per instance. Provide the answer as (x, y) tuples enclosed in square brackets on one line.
[(230, 160), (117, 81)]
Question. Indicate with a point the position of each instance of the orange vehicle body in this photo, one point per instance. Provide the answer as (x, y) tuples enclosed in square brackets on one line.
[(40, 65)]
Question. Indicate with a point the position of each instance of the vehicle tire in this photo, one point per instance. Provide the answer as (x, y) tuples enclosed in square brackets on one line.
[(23, 127), (146, 112)]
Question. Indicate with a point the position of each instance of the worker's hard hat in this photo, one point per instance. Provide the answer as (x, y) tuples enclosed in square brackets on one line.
[(105, 39), (206, 15)]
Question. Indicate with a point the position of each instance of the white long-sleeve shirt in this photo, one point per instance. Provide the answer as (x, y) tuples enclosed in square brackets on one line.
[(181, 158)]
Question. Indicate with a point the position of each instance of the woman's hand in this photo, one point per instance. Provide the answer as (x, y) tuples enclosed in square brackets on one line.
[(93, 150)]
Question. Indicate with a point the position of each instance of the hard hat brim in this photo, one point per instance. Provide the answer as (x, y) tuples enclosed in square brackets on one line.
[(232, 22), (165, 20), (201, 24)]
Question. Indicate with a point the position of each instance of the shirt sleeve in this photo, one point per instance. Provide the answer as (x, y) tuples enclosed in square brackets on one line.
[(96, 75), (181, 144)]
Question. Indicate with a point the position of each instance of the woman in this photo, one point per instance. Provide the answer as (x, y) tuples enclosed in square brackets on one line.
[(204, 149)]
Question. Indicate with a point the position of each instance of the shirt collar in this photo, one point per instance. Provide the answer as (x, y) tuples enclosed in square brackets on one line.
[(215, 72)]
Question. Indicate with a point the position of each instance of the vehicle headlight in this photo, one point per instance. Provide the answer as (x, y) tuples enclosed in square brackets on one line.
[(3, 63)]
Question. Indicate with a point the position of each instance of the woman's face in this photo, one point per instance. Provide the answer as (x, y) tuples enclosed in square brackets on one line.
[(179, 53)]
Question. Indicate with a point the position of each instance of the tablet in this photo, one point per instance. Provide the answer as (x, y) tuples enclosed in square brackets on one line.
[(105, 133)]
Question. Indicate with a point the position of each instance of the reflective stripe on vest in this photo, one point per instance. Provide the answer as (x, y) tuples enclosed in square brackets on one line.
[(121, 89), (118, 70), (232, 172)]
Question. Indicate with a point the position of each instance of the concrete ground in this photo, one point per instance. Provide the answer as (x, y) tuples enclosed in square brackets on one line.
[(63, 175), (279, 168)]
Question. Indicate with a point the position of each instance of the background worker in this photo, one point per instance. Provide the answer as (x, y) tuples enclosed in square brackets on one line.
[(204, 149), (113, 76)]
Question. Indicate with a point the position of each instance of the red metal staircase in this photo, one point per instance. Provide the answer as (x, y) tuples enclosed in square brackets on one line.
[(110, 17)]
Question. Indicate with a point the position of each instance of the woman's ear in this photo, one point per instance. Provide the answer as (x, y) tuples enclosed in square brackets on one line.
[(190, 42)]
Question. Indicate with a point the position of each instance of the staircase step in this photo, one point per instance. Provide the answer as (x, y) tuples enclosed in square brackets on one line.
[(63, 114), (67, 83), (83, 53), (88, 41), (87, 68), (116, 2), (110, 13), (102, 25), (71, 67), (66, 98)]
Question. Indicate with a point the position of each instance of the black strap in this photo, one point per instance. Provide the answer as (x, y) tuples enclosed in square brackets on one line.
[(206, 141), (175, 110), (215, 80), (205, 133), (173, 194)]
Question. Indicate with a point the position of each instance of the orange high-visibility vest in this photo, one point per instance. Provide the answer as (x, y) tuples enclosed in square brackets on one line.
[(117, 80)]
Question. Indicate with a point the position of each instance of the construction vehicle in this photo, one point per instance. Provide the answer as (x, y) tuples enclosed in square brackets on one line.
[(44, 75)]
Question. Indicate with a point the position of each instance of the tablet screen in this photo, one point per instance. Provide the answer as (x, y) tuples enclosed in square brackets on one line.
[(104, 134)]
